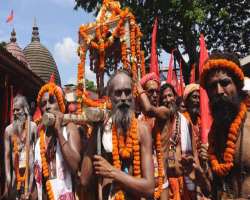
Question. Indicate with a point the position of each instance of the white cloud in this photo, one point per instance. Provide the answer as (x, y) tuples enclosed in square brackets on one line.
[(65, 51)]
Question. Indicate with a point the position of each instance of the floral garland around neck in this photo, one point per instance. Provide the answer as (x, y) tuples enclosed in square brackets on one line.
[(45, 168), (222, 169), (124, 150), (158, 190), (20, 179)]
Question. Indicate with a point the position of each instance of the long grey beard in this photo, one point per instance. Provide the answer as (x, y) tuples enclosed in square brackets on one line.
[(18, 124), (122, 118)]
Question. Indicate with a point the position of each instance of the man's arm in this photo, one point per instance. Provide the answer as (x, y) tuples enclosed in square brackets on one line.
[(87, 164), (32, 153), (160, 112), (71, 148), (7, 158), (143, 186)]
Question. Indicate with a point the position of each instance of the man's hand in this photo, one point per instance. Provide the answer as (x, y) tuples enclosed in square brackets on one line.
[(59, 120), (25, 197), (203, 152), (103, 167), (187, 164)]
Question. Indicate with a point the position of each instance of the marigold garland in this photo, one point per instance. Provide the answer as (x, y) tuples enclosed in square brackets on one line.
[(221, 63), (19, 179), (222, 169), (45, 168), (120, 149), (52, 89), (159, 156)]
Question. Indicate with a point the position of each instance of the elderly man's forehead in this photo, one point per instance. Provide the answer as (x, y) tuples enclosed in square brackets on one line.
[(120, 81)]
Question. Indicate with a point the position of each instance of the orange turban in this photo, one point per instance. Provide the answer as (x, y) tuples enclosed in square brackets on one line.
[(52, 89), (189, 89)]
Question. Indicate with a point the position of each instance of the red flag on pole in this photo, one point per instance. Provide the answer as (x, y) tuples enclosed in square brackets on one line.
[(192, 74), (154, 60), (172, 76), (206, 119), (170, 68), (10, 17), (181, 85)]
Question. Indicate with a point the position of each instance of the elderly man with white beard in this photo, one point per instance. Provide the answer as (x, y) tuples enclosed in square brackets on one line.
[(126, 158), (17, 150)]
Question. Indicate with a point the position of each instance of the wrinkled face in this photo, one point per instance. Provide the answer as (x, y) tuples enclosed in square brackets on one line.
[(49, 103), (18, 110), (122, 101), (168, 98), (219, 83), (152, 89), (121, 94)]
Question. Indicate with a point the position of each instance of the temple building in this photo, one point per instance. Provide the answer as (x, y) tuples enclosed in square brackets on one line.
[(22, 72)]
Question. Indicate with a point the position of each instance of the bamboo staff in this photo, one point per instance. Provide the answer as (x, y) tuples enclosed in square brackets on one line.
[(27, 144), (99, 152)]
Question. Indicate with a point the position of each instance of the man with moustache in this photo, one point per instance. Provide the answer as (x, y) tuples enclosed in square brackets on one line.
[(191, 97), (57, 151), (177, 146), (229, 137), (126, 159), (17, 150), (151, 84)]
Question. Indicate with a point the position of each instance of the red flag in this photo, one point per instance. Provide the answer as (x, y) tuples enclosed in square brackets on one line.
[(181, 85), (171, 76), (206, 119), (10, 17), (192, 74), (170, 68), (154, 60)]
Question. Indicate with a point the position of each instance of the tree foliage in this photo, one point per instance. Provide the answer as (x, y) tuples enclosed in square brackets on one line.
[(225, 24)]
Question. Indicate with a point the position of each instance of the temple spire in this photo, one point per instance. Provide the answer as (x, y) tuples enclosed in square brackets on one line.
[(13, 36), (35, 32)]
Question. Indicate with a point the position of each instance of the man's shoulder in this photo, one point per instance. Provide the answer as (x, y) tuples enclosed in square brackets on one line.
[(9, 129), (143, 130)]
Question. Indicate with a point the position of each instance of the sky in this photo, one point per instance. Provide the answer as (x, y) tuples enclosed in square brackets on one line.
[(58, 24)]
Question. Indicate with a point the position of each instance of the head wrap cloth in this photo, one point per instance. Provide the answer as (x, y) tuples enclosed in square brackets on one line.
[(189, 89), (52, 89), (149, 77), (223, 64)]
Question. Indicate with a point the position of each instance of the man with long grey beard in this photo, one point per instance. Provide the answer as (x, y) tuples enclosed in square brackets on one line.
[(126, 158), (229, 138), (19, 143)]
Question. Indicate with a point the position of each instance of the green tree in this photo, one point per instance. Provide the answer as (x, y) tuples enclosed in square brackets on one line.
[(90, 85), (225, 24)]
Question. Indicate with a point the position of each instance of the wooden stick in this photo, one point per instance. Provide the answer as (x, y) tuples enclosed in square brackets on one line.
[(26, 186), (99, 152)]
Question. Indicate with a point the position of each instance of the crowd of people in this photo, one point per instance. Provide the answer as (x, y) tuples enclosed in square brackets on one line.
[(148, 146)]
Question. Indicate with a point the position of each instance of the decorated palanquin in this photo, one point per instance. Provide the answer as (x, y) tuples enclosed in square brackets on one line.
[(113, 41)]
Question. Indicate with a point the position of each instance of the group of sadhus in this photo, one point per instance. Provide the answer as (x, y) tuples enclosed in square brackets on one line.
[(151, 147)]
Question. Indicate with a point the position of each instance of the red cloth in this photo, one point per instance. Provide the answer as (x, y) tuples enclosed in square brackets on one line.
[(10, 17), (154, 60), (181, 85), (192, 74), (206, 119), (149, 77), (171, 76)]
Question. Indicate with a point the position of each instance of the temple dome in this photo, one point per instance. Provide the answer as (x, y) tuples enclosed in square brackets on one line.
[(40, 59), (15, 50)]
